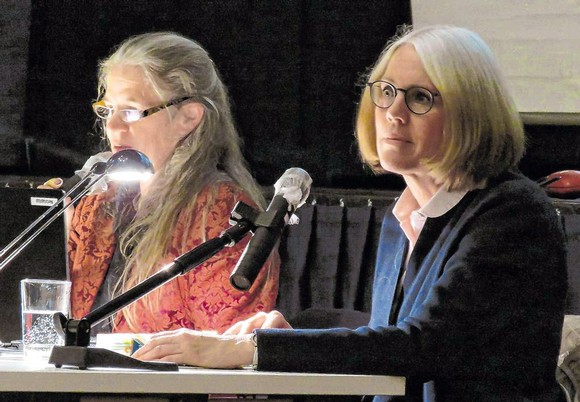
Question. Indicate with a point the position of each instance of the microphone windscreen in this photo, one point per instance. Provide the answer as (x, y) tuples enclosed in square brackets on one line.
[(100, 157), (80, 174), (294, 185)]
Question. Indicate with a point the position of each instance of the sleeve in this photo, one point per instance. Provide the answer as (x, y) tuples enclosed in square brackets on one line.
[(91, 244), (210, 301), (495, 306), (86, 215), (73, 237)]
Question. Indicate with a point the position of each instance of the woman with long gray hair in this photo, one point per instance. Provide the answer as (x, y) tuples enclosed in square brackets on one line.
[(161, 94)]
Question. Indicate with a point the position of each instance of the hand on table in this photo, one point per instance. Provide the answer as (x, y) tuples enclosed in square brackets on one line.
[(234, 348), (198, 348)]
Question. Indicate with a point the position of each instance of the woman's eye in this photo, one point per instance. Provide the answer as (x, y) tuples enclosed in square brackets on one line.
[(131, 115), (420, 96), (388, 92)]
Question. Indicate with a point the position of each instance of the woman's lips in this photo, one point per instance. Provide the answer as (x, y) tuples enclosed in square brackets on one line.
[(117, 148), (395, 139)]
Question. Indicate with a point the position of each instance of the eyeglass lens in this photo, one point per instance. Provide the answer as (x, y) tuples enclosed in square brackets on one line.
[(418, 100), (127, 115)]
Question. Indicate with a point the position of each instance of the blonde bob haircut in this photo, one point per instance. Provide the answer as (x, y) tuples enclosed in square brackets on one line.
[(483, 134)]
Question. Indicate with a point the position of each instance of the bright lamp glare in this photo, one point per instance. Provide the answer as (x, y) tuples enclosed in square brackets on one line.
[(129, 165), (125, 176)]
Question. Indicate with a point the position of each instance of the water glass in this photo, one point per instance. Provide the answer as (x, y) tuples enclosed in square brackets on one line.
[(41, 299)]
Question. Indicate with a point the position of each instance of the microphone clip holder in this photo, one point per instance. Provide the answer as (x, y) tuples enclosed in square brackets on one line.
[(268, 219)]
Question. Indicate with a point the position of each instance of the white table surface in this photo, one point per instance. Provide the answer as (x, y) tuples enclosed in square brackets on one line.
[(20, 375)]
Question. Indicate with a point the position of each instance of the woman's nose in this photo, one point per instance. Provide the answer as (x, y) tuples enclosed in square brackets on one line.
[(398, 110)]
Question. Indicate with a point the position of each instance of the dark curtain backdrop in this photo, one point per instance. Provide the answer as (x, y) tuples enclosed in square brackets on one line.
[(328, 258), (291, 67)]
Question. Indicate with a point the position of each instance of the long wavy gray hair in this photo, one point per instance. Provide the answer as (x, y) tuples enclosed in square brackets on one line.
[(178, 67)]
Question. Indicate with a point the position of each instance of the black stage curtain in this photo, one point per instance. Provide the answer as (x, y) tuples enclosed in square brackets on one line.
[(292, 68), (328, 258)]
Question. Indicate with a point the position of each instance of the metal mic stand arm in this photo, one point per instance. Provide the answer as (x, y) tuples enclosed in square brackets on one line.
[(97, 169), (77, 332)]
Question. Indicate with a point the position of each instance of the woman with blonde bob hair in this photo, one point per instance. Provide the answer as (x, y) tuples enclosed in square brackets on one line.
[(161, 94), (470, 275), (476, 101)]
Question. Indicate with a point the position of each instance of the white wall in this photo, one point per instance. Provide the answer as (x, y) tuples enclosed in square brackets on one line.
[(537, 43)]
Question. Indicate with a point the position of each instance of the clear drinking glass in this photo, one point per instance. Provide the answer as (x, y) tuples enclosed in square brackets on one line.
[(41, 299)]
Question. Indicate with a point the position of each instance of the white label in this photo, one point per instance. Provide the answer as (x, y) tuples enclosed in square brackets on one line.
[(43, 202)]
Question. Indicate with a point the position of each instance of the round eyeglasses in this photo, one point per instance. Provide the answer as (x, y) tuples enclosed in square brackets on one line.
[(418, 100), (131, 115)]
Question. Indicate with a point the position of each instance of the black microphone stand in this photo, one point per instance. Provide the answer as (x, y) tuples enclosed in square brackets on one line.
[(77, 333)]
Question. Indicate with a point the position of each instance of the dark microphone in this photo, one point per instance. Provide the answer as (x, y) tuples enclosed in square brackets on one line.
[(79, 175), (291, 192)]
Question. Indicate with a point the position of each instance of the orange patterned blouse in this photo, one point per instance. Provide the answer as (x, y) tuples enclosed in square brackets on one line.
[(201, 299)]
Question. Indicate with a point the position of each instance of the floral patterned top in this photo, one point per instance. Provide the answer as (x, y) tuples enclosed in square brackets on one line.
[(201, 299)]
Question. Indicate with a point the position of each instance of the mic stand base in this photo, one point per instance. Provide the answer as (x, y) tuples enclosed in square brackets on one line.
[(85, 357)]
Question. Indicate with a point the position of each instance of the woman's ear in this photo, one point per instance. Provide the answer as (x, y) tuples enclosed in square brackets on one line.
[(190, 115)]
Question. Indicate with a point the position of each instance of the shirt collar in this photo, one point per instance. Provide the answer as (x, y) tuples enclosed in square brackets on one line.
[(438, 205), (441, 203)]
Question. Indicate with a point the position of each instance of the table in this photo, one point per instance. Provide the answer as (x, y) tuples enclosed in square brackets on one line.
[(20, 375)]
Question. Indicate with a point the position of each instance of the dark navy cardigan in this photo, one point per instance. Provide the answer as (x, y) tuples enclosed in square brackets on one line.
[(481, 308)]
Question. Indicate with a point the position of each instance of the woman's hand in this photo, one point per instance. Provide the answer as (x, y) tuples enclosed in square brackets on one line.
[(54, 183), (198, 348), (234, 348), (261, 320)]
